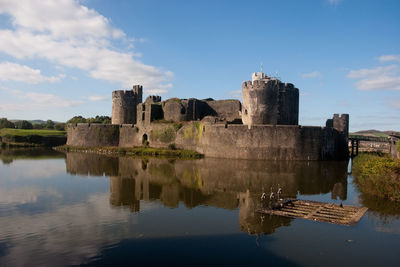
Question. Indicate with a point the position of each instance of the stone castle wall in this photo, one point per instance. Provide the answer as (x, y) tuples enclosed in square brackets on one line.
[(92, 135), (265, 142), (279, 142), (179, 110)]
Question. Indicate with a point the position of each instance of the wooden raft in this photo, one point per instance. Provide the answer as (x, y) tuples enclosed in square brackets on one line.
[(319, 211)]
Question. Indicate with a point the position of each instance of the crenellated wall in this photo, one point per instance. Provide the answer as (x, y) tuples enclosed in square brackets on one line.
[(92, 135), (270, 142)]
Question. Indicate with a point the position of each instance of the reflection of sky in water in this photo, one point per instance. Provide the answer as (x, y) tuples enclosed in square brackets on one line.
[(50, 217)]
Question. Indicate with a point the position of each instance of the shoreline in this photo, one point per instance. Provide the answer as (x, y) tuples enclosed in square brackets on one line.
[(134, 151)]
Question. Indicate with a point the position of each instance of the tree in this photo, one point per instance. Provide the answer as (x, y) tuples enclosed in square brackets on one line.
[(4, 123), (49, 125), (38, 126), (23, 125), (59, 126), (77, 119), (97, 119)]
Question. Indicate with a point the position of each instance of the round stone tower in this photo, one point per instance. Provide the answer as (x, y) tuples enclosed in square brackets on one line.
[(124, 105), (267, 100)]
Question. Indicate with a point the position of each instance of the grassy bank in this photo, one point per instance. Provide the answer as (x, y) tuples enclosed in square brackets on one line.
[(377, 175), (136, 151), (27, 138)]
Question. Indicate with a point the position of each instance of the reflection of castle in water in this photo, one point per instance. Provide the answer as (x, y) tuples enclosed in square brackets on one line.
[(222, 183)]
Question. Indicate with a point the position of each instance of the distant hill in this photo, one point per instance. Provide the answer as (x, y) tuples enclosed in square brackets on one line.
[(376, 133), (34, 121)]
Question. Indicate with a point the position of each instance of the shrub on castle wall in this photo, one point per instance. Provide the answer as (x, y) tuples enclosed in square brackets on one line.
[(164, 135), (177, 126)]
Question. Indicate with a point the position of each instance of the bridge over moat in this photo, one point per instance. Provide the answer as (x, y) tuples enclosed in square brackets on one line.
[(373, 143)]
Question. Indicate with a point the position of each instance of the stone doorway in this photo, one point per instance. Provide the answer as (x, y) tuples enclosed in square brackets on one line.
[(145, 140)]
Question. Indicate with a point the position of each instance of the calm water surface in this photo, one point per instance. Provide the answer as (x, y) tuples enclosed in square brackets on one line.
[(82, 209)]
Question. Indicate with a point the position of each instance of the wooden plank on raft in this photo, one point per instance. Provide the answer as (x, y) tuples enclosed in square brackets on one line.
[(318, 211)]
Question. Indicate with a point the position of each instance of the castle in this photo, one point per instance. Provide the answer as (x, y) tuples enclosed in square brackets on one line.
[(264, 126)]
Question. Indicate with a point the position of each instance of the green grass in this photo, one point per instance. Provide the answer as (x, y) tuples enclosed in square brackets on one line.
[(136, 151), (377, 175), (21, 132), (31, 138)]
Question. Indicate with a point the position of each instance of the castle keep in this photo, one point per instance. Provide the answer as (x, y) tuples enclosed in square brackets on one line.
[(266, 100), (264, 126)]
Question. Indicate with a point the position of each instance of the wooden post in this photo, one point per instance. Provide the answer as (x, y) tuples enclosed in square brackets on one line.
[(352, 147), (357, 145)]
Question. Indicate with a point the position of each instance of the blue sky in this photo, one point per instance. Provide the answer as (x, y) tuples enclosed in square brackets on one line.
[(63, 58)]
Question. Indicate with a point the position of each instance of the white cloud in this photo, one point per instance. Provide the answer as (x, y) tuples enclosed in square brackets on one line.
[(387, 58), (69, 34), (36, 101), (61, 18), (313, 74), (379, 83), (98, 98), (50, 99), (364, 73), (21, 73), (379, 78)]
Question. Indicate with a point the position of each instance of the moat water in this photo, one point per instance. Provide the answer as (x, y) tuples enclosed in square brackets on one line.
[(83, 209)]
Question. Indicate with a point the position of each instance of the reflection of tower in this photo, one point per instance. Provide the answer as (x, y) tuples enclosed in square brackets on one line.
[(266, 100), (124, 105), (142, 189), (170, 195), (246, 210), (254, 223), (122, 193)]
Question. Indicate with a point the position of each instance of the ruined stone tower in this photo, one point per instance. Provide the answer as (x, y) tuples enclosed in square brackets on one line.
[(124, 105), (267, 100), (339, 123)]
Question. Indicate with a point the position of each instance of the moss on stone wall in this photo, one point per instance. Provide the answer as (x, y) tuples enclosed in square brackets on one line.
[(177, 126), (194, 131), (165, 135)]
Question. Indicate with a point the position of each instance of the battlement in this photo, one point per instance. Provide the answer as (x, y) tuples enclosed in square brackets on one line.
[(124, 93), (339, 123), (259, 76), (153, 99)]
